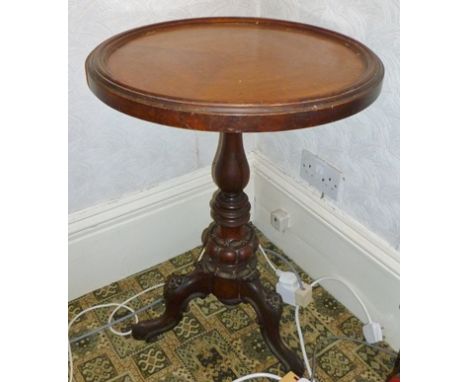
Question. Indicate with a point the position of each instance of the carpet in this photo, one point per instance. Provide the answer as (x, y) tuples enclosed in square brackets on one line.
[(214, 342)]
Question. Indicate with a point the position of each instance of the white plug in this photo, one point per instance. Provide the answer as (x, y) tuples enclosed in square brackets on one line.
[(289, 289), (286, 286), (304, 296), (372, 332)]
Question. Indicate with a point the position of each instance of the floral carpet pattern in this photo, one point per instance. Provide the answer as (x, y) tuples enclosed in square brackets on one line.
[(214, 342)]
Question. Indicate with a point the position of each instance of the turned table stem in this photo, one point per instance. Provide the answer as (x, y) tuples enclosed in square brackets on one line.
[(230, 207), (230, 242), (229, 267)]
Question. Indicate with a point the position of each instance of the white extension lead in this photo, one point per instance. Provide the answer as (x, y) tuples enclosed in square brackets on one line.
[(369, 338), (109, 321), (374, 330)]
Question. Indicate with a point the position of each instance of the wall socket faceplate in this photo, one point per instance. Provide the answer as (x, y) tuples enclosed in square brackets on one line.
[(280, 220), (320, 174)]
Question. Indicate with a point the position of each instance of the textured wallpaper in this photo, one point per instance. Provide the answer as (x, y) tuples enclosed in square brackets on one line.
[(111, 154), (364, 147)]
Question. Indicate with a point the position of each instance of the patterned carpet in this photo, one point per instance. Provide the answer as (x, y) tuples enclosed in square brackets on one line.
[(215, 342)]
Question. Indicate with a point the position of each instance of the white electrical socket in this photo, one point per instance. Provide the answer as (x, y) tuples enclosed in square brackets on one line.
[(280, 220), (320, 174)]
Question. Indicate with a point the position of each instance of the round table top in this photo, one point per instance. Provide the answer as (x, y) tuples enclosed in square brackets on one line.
[(235, 74)]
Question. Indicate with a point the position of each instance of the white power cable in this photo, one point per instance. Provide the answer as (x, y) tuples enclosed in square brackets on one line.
[(342, 338), (272, 266), (123, 305), (301, 342), (118, 306), (244, 378), (111, 317), (201, 254), (369, 319), (278, 271), (257, 375), (310, 372), (70, 356)]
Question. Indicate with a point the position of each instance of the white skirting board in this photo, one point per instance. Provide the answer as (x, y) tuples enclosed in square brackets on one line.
[(119, 238), (324, 242), (116, 239)]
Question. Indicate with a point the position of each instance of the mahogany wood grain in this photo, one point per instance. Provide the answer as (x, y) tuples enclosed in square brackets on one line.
[(235, 74), (228, 268), (232, 75)]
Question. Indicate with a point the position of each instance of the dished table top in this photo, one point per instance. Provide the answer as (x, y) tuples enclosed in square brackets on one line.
[(235, 74)]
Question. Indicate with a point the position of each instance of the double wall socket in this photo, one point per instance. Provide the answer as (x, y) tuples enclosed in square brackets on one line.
[(320, 174)]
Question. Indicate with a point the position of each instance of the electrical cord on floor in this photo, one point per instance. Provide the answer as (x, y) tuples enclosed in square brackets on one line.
[(201, 254), (301, 342), (342, 338), (311, 370), (257, 375), (70, 356), (134, 313), (272, 266), (351, 289), (110, 321), (119, 320), (284, 259), (123, 305)]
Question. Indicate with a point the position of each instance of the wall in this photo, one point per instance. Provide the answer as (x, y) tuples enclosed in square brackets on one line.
[(111, 154), (366, 146)]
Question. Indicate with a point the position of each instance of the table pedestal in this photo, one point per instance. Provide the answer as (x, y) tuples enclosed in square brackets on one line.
[(228, 268)]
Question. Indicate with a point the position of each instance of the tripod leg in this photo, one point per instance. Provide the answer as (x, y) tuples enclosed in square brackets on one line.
[(268, 306), (178, 292)]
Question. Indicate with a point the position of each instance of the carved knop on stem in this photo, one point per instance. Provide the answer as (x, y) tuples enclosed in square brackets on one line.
[(230, 206)]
